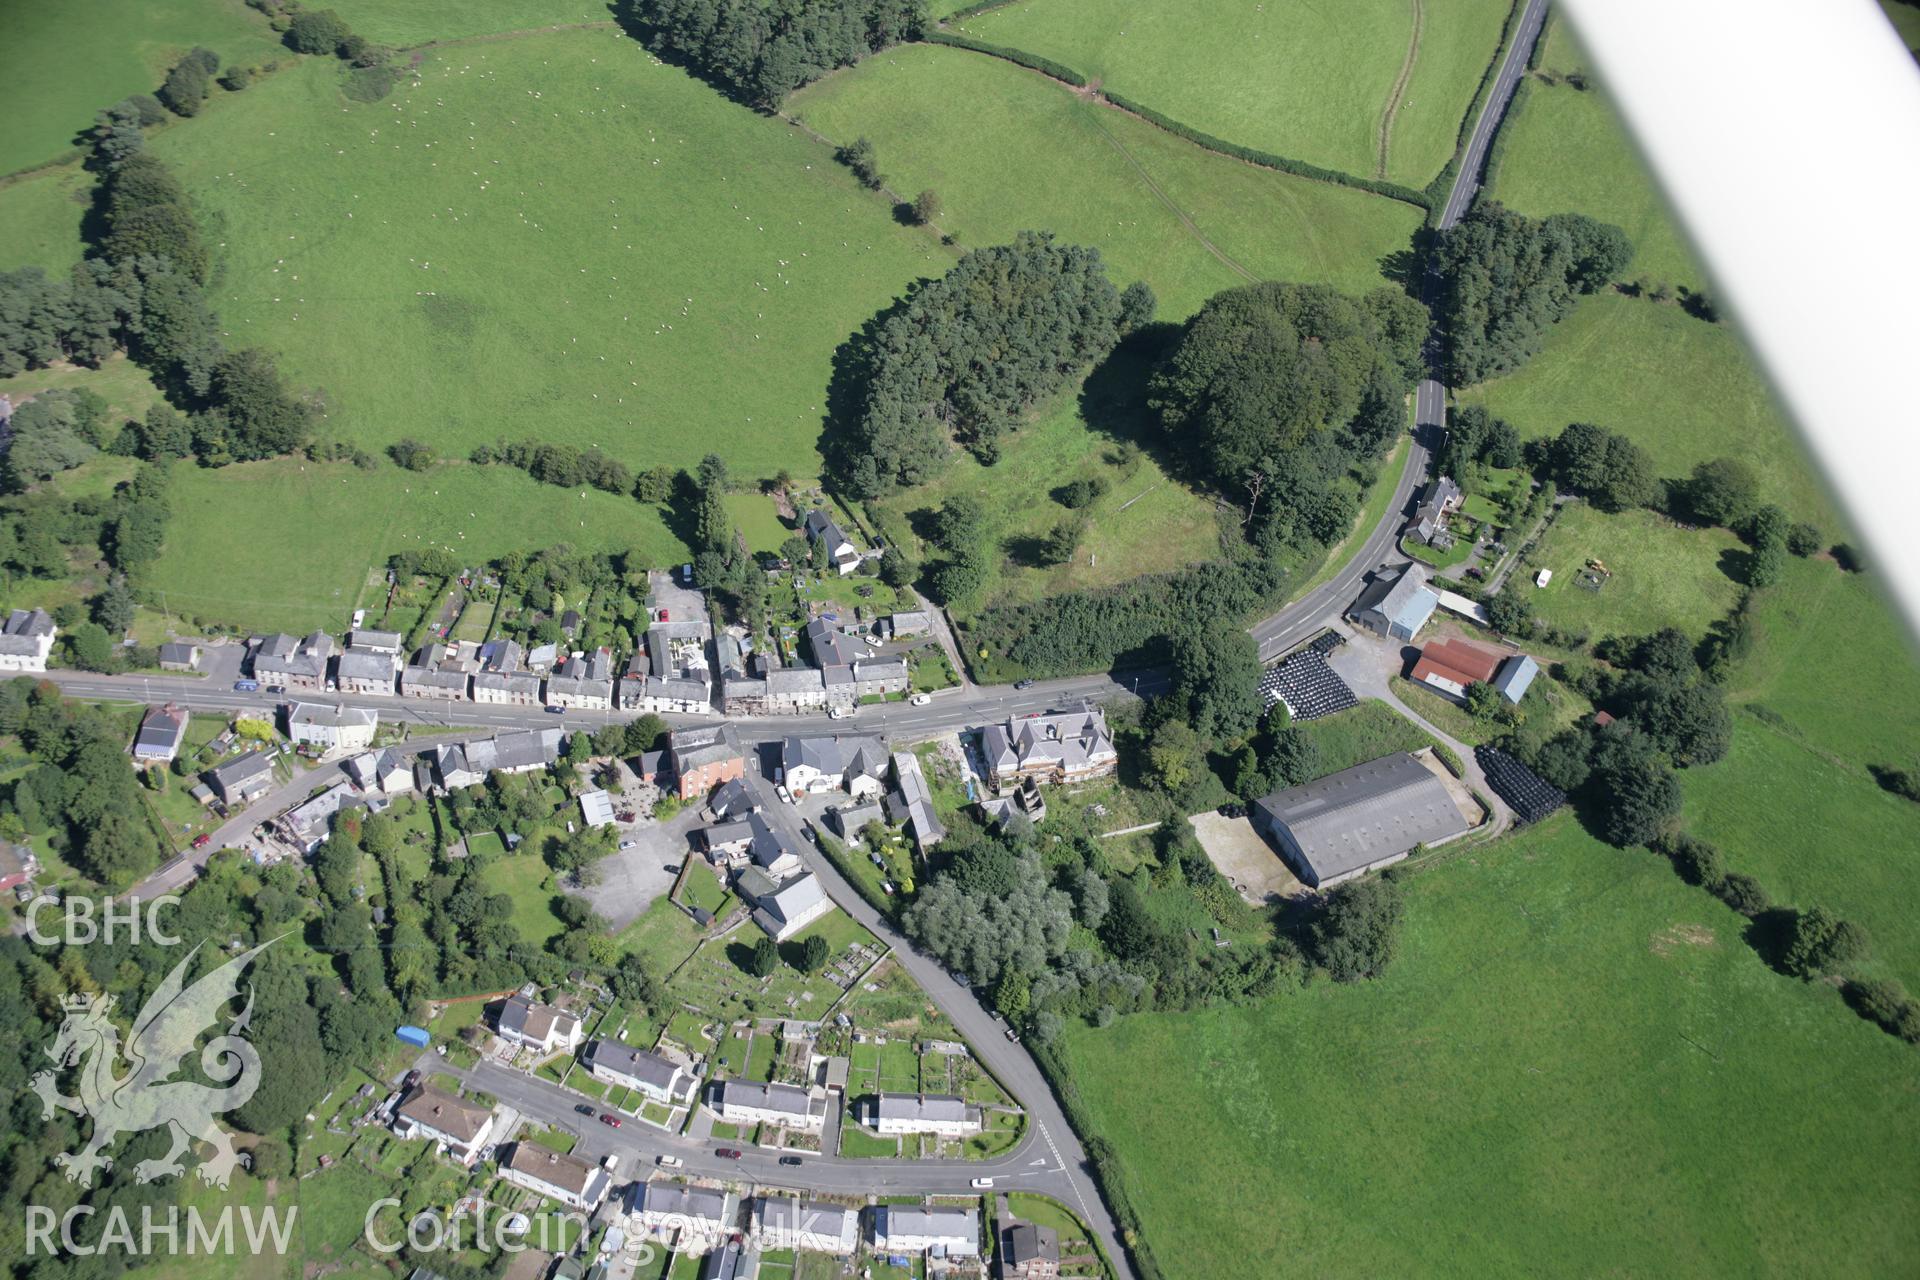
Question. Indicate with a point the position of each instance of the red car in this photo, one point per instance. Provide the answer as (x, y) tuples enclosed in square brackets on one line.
[(608, 1118), (726, 1153), (202, 840)]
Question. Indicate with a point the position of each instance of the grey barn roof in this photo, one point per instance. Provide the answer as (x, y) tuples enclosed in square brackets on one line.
[(1352, 819)]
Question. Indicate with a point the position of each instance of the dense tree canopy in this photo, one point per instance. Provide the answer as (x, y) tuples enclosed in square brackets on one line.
[(762, 50), (1507, 278), (1265, 370), (962, 358)]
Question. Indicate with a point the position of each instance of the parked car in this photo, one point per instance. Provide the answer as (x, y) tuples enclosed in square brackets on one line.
[(921, 699), (1023, 684), (673, 867), (669, 1162), (839, 713), (556, 711), (1013, 1035), (982, 1183), (627, 815), (202, 840), (790, 1160), (886, 887), (628, 844), (608, 1118), (806, 829), (583, 1108), (275, 688), (726, 1153), (246, 686)]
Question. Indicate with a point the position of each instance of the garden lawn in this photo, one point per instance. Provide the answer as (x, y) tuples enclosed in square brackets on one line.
[(61, 63), (1147, 521), (40, 219), (1568, 1032), (1029, 152), (294, 545), (501, 247), (1663, 575), (527, 881), (1683, 389), (1566, 150), (1359, 734), (123, 384), (1307, 81)]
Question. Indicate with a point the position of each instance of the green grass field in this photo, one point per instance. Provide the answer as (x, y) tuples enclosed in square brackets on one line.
[(289, 544), (414, 22), (1683, 389), (1794, 803), (61, 63), (1029, 152), (1566, 149), (525, 879), (552, 236), (1663, 575), (1905, 19), (1570, 1033), (40, 218), (1146, 522), (1307, 81), (1359, 734)]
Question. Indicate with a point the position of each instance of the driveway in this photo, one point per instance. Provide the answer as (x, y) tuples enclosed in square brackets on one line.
[(631, 879), (1367, 663)]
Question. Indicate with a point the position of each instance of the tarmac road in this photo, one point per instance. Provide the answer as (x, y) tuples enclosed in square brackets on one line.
[(1050, 1158)]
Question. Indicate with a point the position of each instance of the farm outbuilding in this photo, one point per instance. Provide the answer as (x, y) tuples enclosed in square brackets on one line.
[(1348, 823)]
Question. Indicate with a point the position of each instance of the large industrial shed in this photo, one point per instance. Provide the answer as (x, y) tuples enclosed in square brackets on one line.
[(1349, 823)]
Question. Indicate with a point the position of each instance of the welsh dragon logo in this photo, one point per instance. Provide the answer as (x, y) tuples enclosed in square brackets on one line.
[(146, 1098)]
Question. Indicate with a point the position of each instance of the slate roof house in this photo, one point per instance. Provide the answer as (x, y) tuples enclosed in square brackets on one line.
[(942, 1230), (332, 727), (375, 641), (902, 625), (937, 1113), (1348, 823), (789, 1106), (161, 731), (465, 764), (584, 680), (307, 823), (242, 779), (783, 909), (1451, 664), (787, 1222), (1395, 604), (26, 638), (693, 1219), (366, 671), (1028, 1251), (503, 678), (385, 771), (841, 552), (1441, 499), (855, 765), (1069, 747), (537, 1026), (673, 674), (179, 657), (434, 673), (702, 758), (434, 1113), (660, 1078), (910, 803), (293, 664), (570, 1180)]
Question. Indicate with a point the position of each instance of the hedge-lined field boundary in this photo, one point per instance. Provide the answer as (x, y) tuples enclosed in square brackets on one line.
[(1205, 141)]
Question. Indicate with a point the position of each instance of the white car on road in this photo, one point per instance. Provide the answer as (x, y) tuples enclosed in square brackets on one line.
[(921, 699)]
